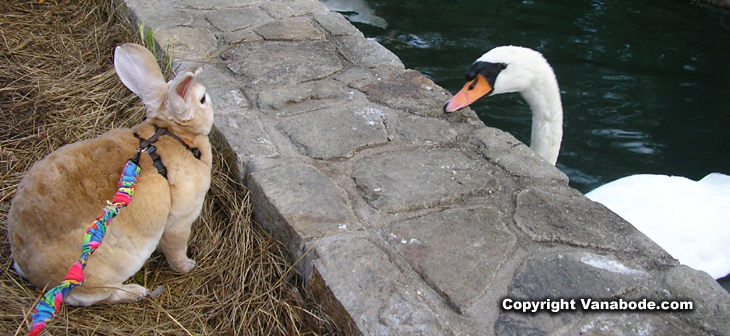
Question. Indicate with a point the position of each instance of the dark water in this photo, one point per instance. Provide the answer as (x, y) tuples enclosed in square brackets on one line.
[(645, 84)]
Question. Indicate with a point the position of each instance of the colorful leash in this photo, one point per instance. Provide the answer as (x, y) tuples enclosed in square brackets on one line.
[(48, 306)]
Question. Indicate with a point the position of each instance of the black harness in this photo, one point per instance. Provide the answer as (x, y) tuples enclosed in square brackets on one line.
[(145, 145)]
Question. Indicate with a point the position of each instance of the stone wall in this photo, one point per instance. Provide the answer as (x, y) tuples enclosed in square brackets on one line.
[(407, 221)]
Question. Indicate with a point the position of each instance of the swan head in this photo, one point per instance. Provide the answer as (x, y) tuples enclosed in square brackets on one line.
[(523, 70), (501, 70)]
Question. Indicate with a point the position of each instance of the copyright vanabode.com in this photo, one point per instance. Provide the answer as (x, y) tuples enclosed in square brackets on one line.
[(558, 305)]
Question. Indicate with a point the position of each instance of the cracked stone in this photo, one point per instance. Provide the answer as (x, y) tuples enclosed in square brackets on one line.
[(188, 43), (710, 306), (381, 303), (415, 179), (411, 92), (428, 131), (280, 10), (562, 214), (161, 19), (290, 29), (297, 203), (336, 24), (570, 275), (246, 136), (305, 97), (458, 252), (223, 90), (213, 4), (336, 133), (509, 153), (269, 63), (627, 324), (368, 54), (231, 19)]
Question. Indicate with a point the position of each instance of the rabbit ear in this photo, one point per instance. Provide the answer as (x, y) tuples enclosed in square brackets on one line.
[(179, 95), (138, 70)]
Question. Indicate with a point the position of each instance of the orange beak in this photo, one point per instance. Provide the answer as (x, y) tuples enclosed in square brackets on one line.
[(473, 90)]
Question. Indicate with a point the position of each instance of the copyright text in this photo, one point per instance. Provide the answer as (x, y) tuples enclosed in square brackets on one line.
[(559, 305)]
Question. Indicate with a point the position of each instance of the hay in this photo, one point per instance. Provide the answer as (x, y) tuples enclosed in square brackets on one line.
[(57, 86)]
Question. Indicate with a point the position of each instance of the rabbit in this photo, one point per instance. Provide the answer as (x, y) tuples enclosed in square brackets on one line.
[(64, 193)]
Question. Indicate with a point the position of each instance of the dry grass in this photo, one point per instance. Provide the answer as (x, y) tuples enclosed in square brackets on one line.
[(57, 86)]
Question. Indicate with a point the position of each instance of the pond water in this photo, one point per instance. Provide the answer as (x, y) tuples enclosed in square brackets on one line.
[(645, 84)]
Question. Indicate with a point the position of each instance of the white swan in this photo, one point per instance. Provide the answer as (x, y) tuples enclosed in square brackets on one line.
[(689, 219)]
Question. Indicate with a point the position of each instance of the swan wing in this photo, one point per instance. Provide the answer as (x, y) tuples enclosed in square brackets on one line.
[(718, 181), (689, 219)]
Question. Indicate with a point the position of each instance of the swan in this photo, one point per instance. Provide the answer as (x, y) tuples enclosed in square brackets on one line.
[(689, 219)]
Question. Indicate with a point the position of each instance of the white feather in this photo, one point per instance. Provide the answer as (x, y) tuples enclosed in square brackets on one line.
[(689, 219)]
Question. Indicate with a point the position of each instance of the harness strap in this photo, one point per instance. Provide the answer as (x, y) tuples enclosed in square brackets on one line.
[(145, 145), (156, 160)]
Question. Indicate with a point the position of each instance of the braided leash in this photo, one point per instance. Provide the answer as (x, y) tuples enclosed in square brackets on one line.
[(49, 304)]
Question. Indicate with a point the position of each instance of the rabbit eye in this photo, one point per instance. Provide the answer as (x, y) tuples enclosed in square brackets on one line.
[(202, 100)]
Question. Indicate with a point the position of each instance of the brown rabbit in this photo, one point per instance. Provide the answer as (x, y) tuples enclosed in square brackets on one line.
[(64, 193)]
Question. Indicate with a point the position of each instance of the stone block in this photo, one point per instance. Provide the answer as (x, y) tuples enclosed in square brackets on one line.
[(354, 76), (458, 252), (373, 292), (188, 43), (509, 153), (409, 180), (560, 214), (629, 323), (711, 301), (290, 29), (282, 63), (225, 94), (573, 275), (240, 36), (212, 4), (227, 100), (426, 131), (144, 4), (318, 290), (570, 275), (246, 136), (368, 54), (411, 92), (283, 9), (335, 24), (152, 16), (305, 97), (297, 203), (336, 133), (232, 19)]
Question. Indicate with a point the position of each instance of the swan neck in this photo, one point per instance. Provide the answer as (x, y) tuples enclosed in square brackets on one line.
[(547, 118)]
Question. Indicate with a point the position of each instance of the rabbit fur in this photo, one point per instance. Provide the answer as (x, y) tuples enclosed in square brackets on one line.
[(62, 194)]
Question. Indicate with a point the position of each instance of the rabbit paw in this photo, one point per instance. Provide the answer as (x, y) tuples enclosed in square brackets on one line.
[(128, 293), (84, 297), (182, 266)]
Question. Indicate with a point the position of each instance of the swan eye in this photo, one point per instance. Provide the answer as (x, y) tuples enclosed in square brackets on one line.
[(202, 100), (502, 66), (471, 74), (474, 83)]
